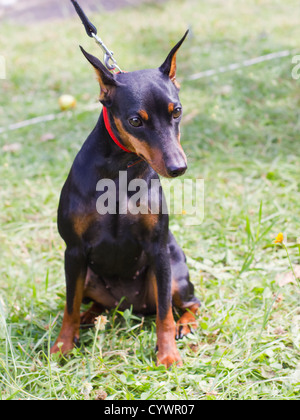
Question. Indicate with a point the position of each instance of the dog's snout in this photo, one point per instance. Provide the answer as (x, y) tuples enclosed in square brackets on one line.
[(175, 171)]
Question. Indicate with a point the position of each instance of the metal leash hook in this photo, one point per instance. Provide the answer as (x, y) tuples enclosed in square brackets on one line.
[(91, 31), (108, 55)]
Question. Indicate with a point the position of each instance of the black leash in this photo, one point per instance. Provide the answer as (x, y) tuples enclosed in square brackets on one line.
[(91, 31), (89, 27)]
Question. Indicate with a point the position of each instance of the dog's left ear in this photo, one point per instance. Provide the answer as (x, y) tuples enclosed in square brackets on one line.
[(106, 79), (169, 66)]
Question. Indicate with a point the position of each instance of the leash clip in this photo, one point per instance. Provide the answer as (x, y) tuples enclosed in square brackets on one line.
[(109, 60), (91, 30)]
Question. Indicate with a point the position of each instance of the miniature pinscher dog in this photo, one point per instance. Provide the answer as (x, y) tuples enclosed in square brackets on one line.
[(127, 260)]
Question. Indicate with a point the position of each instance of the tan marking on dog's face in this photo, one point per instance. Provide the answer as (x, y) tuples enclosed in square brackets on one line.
[(171, 108), (143, 114), (125, 136), (152, 155)]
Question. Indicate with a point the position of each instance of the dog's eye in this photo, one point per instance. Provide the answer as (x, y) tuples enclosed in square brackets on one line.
[(177, 113), (135, 122)]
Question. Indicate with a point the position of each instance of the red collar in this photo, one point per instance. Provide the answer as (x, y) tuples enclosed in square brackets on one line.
[(109, 129)]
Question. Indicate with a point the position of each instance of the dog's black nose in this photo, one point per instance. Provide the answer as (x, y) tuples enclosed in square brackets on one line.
[(175, 171)]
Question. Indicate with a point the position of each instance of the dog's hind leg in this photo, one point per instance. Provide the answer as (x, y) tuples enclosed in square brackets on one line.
[(87, 319)]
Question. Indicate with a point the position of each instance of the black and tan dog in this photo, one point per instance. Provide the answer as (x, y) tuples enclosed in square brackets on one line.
[(112, 256)]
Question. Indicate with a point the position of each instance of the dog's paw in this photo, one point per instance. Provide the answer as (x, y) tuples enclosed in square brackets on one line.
[(64, 347), (187, 324), (169, 359), (183, 330)]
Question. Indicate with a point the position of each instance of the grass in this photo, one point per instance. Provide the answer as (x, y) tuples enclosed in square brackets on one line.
[(241, 135)]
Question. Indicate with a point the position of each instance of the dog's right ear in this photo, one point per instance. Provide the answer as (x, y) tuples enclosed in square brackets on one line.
[(106, 79), (169, 66)]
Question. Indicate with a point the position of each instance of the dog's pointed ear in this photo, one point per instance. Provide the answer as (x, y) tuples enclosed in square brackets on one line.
[(106, 79), (169, 66)]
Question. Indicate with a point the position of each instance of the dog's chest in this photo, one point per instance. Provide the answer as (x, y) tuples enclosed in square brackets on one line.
[(115, 248)]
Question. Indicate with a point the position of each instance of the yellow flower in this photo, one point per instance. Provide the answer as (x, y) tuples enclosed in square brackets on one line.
[(279, 239)]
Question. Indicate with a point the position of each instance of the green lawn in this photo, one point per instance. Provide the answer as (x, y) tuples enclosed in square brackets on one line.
[(241, 134)]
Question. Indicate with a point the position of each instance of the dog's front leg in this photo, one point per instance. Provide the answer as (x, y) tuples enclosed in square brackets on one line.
[(76, 269), (165, 324)]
